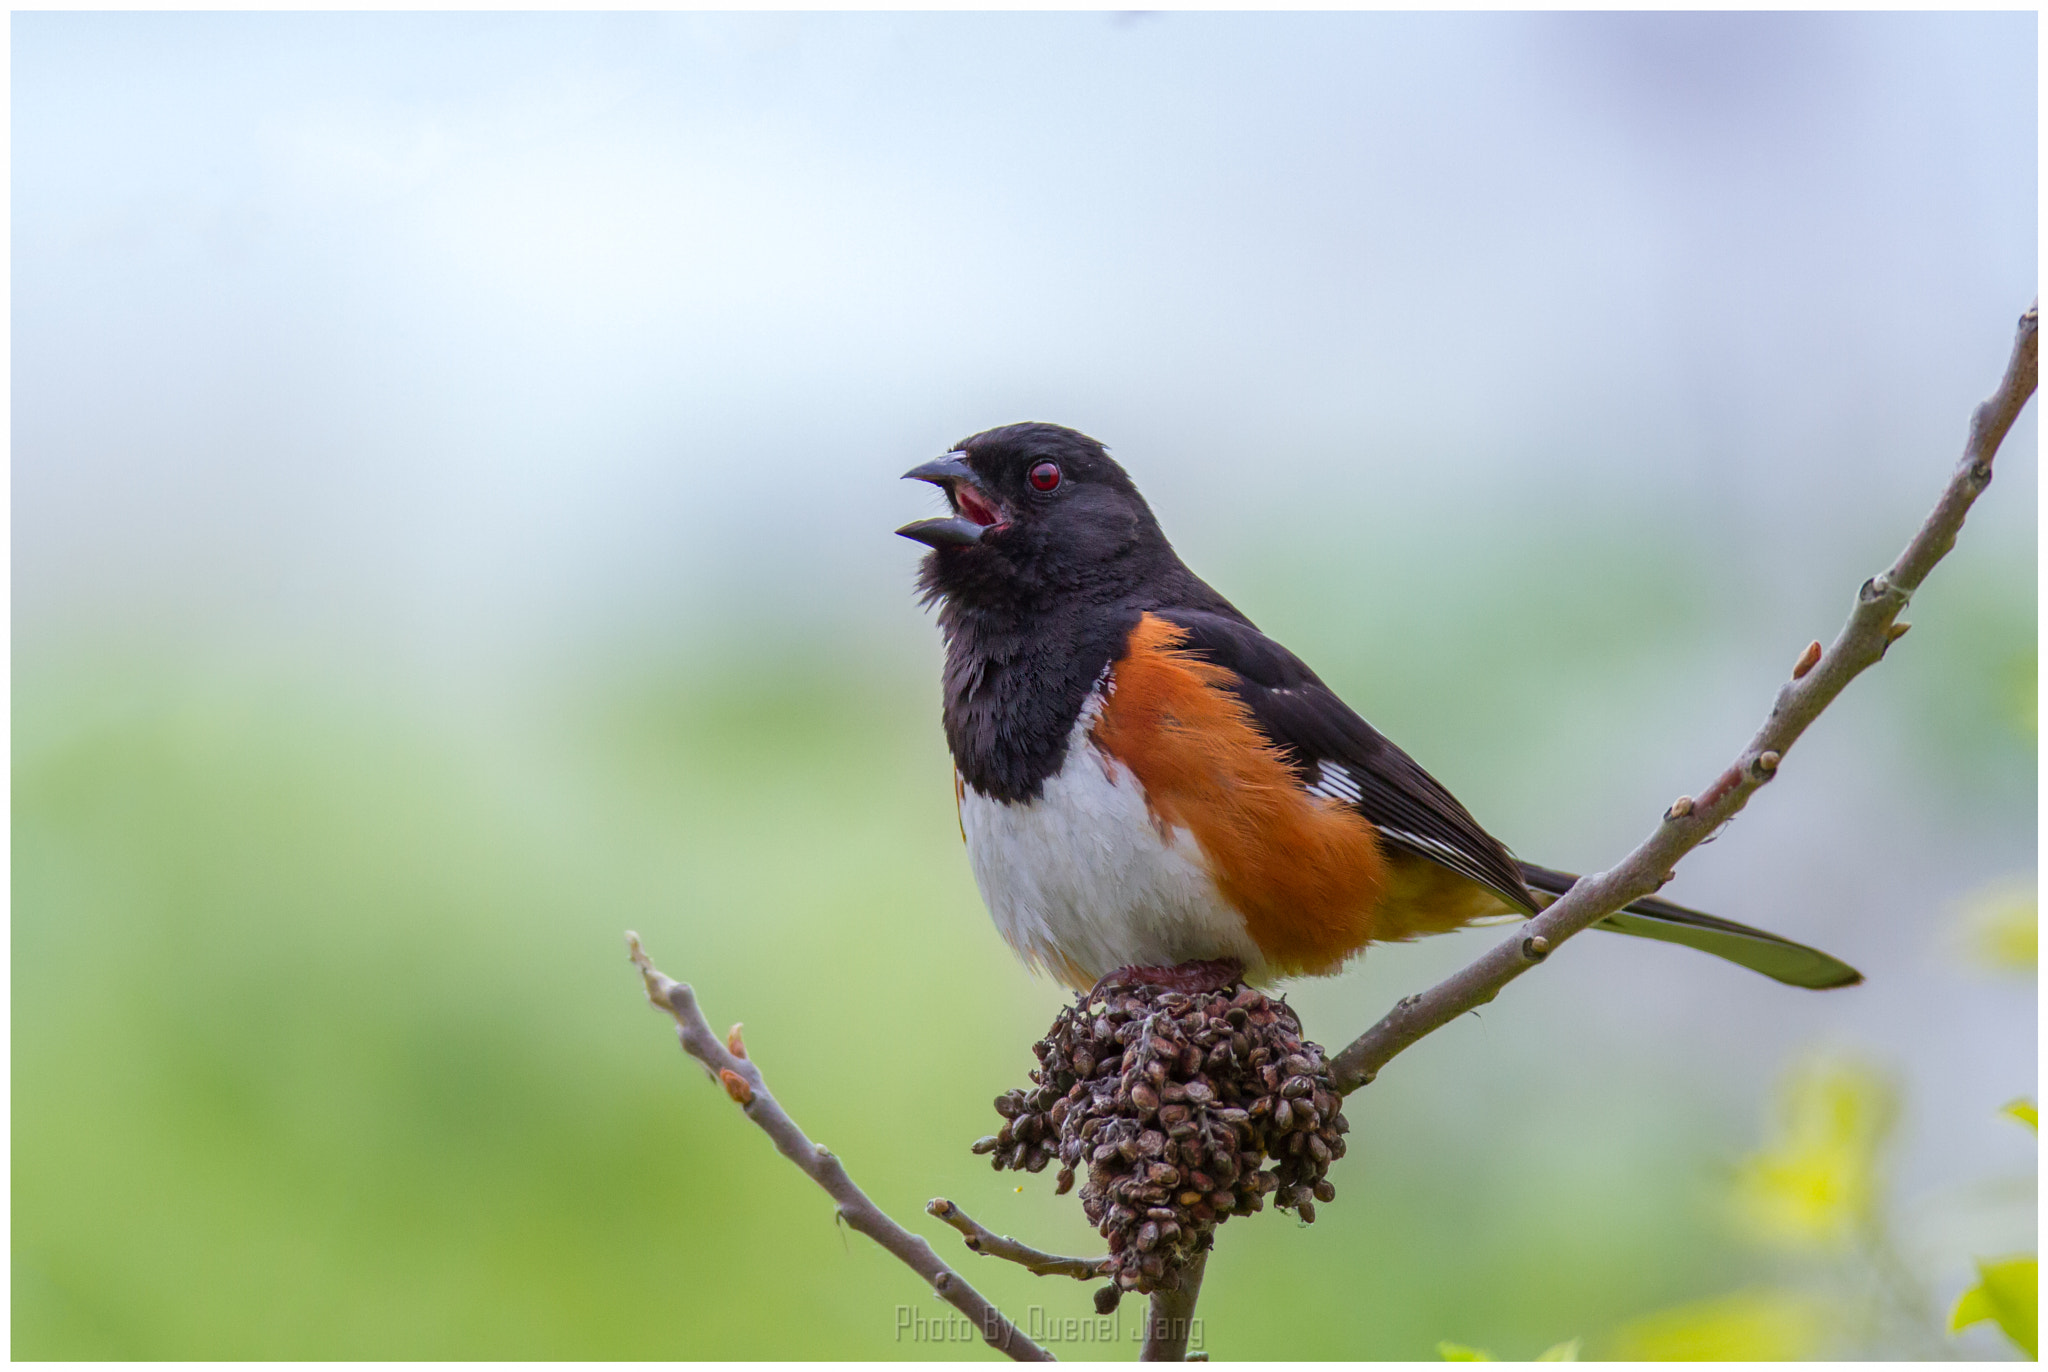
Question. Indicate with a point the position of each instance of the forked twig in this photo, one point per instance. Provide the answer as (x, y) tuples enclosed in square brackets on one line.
[(729, 1066), (990, 1244)]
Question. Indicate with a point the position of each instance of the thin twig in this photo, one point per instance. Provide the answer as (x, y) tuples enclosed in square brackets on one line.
[(993, 1245), (729, 1066), (1871, 628), (1172, 1317)]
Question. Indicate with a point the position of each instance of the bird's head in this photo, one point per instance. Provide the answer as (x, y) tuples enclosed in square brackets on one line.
[(1039, 512)]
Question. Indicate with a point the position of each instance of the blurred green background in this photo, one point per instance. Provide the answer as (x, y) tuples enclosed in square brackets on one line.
[(454, 460)]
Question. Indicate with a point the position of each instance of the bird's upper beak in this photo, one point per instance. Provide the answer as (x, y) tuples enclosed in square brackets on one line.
[(977, 513)]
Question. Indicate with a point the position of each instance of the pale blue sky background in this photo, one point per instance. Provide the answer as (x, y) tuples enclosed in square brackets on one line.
[(528, 327)]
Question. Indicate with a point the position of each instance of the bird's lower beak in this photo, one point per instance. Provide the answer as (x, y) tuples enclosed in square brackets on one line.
[(976, 511), (949, 531)]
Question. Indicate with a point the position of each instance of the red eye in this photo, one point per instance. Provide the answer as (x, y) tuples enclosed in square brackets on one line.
[(1045, 476)]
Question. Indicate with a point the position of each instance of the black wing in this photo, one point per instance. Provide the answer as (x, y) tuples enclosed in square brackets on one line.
[(1339, 755)]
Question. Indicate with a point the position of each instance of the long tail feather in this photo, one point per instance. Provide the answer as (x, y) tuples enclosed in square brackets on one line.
[(1781, 959)]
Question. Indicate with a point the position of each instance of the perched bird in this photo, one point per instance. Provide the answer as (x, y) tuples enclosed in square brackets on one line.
[(1145, 780)]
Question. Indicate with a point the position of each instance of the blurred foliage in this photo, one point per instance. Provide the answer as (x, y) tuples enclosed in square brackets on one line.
[(1744, 1326), (2008, 1291), (1568, 1351), (2001, 926), (325, 1046), (1815, 1183), (1817, 1188)]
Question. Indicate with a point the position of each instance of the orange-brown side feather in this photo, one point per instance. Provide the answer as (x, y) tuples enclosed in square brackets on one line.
[(1305, 872)]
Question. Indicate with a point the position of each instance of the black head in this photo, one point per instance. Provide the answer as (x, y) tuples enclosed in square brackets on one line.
[(1040, 513)]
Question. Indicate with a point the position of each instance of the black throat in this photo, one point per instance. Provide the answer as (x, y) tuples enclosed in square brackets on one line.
[(1015, 684), (1020, 667)]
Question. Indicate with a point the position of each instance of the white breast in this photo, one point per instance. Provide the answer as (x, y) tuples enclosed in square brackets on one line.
[(1082, 881)]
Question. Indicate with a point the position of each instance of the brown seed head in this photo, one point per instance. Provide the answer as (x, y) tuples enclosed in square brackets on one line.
[(1185, 1107)]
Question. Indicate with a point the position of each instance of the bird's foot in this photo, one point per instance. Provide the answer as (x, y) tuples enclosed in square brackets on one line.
[(1192, 978)]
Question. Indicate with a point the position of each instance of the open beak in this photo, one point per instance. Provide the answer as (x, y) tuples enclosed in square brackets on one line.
[(976, 513)]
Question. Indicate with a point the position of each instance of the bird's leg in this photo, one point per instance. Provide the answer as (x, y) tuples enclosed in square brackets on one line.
[(1192, 978)]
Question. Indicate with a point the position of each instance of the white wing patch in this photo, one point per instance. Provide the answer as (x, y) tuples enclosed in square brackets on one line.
[(1334, 782)]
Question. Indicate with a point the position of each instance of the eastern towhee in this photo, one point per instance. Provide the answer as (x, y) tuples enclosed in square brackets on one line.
[(1144, 779)]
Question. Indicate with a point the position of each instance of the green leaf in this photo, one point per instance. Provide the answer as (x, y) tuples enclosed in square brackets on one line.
[(1972, 1307), (1568, 1351), (2009, 1292), (2025, 1111)]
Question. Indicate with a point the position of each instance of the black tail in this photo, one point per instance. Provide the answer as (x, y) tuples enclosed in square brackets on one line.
[(1780, 959)]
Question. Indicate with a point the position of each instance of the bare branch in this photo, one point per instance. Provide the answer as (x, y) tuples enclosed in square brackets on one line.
[(992, 1245), (1171, 1319), (742, 1080), (1871, 628)]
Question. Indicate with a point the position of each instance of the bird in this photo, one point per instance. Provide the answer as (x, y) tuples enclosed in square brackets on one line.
[(1145, 781)]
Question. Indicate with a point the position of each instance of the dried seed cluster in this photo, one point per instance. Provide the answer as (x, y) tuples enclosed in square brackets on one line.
[(1173, 1102)]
